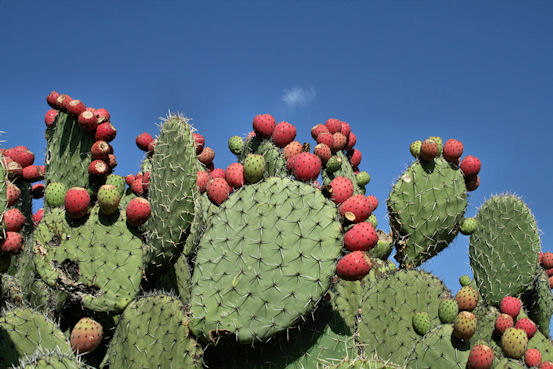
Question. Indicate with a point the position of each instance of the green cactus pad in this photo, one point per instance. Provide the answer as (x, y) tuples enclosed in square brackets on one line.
[(172, 192), (539, 302), (439, 349), (153, 332), (384, 246), (485, 317), (504, 248), (387, 307), (265, 259), (345, 170), (425, 206), (362, 363), (509, 364), (10, 290), (204, 211), (346, 295), (176, 280), (51, 359), (275, 163), (68, 153), (323, 338), (97, 260), (23, 330), (544, 344)]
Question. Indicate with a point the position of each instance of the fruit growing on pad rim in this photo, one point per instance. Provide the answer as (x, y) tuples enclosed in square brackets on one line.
[(354, 266), (138, 211)]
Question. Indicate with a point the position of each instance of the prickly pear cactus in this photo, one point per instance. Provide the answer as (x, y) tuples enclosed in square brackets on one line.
[(51, 359), (539, 302), (426, 206), (265, 260), (345, 170), (504, 249)]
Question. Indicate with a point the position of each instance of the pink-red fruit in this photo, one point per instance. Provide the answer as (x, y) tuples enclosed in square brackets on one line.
[(361, 237), (12, 243), (502, 322), (283, 134), (356, 208), (510, 305), (264, 125), (354, 266), (306, 166), (532, 357), (470, 166), (429, 150), (138, 211), (86, 335), (453, 149), (341, 189), (217, 190), (480, 357), (143, 140)]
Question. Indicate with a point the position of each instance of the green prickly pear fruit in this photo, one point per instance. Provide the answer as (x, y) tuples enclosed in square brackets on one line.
[(363, 178), (464, 280), (468, 226), (254, 167), (235, 144), (117, 181), (421, 323), (514, 343), (440, 143), (372, 219), (467, 298), (54, 195), (415, 148), (333, 164), (465, 325), (448, 311), (108, 199)]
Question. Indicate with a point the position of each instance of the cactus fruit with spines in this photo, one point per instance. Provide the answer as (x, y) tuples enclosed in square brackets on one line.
[(254, 281)]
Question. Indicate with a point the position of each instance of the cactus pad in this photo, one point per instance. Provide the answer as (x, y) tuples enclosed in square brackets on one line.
[(264, 261), (504, 248), (51, 359), (539, 302), (426, 205)]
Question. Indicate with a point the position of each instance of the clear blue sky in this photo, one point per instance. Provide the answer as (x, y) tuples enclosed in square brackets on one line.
[(397, 71)]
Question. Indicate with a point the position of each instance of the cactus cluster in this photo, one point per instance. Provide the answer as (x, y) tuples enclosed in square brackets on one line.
[(274, 262)]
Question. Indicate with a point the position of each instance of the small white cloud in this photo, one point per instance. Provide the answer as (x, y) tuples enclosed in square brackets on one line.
[(298, 96)]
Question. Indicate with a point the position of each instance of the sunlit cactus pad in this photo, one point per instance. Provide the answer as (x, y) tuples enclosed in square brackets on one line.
[(426, 206), (504, 249), (98, 261), (265, 259), (51, 359)]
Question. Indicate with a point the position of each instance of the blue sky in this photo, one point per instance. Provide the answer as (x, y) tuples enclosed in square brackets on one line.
[(396, 71)]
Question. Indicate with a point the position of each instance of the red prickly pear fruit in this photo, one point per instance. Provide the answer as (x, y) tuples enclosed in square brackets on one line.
[(292, 149), (217, 190), (13, 192), (86, 336), (111, 162), (13, 220), (346, 129), (341, 189), (138, 211), (306, 166), (38, 191), (472, 183), (283, 134), (137, 187), (354, 157), (356, 209), (105, 132), (146, 181), (532, 358), (352, 140), (234, 175), (373, 202), (547, 260), (100, 150), (33, 173), (50, 117), (102, 115), (199, 142), (323, 152), (264, 125), (464, 325), (429, 150), (452, 151), (317, 130), (20, 155), (546, 365), (354, 266), (87, 121), (340, 141), (467, 298), (502, 322), (470, 166), (201, 180), (51, 99), (549, 272), (206, 156), (97, 168), (527, 326), (510, 305), (360, 237), (37, 217), (76, 107), (217, 173), (76, 202), (290, 163), (334, 125), (61, 102), (143, 140), (326, 138), (129, 179), (480, 357), (12, 243)]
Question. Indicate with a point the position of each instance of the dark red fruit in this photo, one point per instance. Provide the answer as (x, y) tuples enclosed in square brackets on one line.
[(100, 150), (51, 99), (97, 168), (76, 107), (105, 132), (143, 141), (38, 190), (50, 117), (429, 150), (199, 142), (87, 121), (453, 150), (33, 173), (470, 166), (102, 115)]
